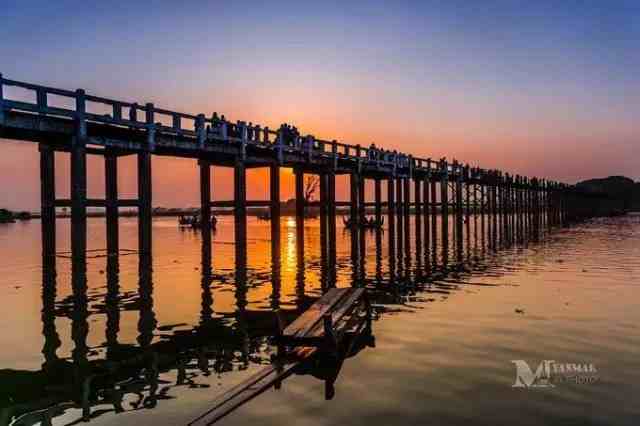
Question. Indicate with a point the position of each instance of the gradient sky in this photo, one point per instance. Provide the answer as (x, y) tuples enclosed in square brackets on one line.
[(546, 88)]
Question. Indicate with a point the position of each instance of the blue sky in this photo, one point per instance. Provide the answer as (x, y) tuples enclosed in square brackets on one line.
[(549, 88)]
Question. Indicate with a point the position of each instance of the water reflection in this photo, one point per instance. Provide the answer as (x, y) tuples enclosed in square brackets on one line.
[(398, 265)]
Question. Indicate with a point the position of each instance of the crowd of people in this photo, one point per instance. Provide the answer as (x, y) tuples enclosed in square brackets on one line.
[(290, 136)]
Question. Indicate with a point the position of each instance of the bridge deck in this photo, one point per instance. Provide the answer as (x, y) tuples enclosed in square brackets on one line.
[(114, 125)]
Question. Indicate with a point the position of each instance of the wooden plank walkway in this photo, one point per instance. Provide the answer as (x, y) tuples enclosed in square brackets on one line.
[(335, 314)]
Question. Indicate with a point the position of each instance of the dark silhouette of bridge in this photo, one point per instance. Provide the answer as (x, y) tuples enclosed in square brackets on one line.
[(83, 124)]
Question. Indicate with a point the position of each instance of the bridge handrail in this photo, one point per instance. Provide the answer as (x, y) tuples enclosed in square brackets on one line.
[(213, 128)]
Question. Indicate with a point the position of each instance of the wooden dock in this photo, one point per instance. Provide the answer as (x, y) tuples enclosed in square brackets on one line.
[(319, 331)]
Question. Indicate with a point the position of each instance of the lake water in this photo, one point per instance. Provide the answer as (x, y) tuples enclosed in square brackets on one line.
[(444, 345)]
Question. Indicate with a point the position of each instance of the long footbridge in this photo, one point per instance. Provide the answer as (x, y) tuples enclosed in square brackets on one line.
[(81, 124), (442, 205)]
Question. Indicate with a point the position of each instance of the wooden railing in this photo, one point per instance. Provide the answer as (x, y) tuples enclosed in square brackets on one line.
[(213, 129)]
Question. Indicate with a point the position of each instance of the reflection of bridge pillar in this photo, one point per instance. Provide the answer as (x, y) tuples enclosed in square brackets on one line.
[(144, 203), (111, 304), (48, 199), (80, 313), (147, 319), (49, 331), (111, 195)]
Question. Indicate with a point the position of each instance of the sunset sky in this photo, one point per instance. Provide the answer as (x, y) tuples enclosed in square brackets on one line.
[(548, 88)]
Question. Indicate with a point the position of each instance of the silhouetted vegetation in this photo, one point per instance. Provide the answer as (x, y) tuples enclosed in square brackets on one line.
[(618, 187)]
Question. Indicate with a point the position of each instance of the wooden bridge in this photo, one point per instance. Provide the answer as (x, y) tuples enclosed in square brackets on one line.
[(84, 124)]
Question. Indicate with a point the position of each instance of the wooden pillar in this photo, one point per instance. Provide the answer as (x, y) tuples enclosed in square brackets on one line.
[(494, 211), (399, 215), (300, 201), (79, 182), (483, 213), (144, 203), (324, 209), (378, 200), (47, 201), (475, 215), (331, 189), (434, 221), (205, 197), (274, 195), (353, 181), (425, 218), (444, 211), (391, 223), (240, 206), (418, 219), (467, 213), (111, 195), (459, 214), (362, 208)]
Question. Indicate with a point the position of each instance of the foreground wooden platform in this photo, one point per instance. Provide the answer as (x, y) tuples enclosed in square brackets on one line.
[(319, 331)]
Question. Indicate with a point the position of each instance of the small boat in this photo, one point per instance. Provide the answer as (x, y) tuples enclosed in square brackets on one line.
[(264, 216), (367, 223), (194, 222)]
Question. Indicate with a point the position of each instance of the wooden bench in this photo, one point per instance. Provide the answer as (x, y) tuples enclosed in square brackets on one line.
[(325, 323), (322, 327)]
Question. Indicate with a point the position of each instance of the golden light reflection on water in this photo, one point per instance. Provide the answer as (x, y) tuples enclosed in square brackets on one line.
[(437, 341)]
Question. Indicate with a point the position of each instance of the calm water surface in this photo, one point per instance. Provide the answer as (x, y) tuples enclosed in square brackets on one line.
[(173, 335)]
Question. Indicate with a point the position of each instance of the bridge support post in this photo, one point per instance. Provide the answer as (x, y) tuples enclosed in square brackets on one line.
[(467, 211), (111, 195), (144, 203), (378, 199), (1, 102), (79, 183), (425, 219), (299, 185), (331, 189), (444, 211), (399, 216), (324, 198), (459, 214), (483, 213), (240, 207), (407, 224), (274, 195), (434, 220), (205, 196), (362, 207), (494, 211), (47, 201), (418, 221), (353, 197), (391, 224)]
